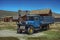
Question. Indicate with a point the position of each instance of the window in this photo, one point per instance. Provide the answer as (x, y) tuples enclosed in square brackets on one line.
[(36, 18), (30, 18)]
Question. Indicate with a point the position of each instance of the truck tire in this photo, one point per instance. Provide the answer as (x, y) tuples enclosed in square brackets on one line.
[(30, 30), (18, 31)]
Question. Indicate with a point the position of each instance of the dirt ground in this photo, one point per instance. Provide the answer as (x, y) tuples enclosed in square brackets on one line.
[(12, 33)]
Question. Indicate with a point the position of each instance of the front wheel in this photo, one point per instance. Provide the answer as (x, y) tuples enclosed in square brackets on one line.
[(18, 29), (30, 30)]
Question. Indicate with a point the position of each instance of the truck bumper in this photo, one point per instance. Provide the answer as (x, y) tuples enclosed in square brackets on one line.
[(22, 27)]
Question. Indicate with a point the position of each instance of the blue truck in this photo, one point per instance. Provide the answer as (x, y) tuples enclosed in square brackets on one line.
[(33, 23)]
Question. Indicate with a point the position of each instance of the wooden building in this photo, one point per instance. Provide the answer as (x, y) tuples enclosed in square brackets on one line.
[(44, 12), (57, 18), (7, 19)]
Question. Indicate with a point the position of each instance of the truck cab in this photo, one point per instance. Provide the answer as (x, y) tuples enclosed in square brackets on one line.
[(34, 22)]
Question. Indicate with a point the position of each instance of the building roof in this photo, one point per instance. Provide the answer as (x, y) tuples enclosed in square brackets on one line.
[(44, 11)]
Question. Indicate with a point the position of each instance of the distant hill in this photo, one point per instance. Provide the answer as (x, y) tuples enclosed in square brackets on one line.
[(7, 13)]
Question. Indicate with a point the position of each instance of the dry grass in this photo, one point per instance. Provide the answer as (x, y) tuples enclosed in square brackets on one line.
[(55, 26), (7, 25)]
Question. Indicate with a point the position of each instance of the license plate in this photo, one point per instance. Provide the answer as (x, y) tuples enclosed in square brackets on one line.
[(22, 27)]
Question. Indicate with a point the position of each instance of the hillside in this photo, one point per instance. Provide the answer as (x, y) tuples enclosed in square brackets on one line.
[(7, 13)]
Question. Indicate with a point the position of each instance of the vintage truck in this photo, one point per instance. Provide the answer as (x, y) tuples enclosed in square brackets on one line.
[(33, 23)]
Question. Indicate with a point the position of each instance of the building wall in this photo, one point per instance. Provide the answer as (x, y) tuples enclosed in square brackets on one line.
[(57, 19), (7, 19)]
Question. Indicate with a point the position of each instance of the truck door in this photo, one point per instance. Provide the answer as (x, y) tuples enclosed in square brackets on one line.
[(37, 22)]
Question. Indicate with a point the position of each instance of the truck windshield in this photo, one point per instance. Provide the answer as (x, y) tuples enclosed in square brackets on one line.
[(30, 18)]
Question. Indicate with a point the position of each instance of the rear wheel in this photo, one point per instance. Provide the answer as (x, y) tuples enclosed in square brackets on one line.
[(46, 27), (18, 31), (30, 30)]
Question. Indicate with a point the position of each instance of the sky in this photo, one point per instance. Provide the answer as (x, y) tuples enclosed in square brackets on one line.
[(15, 5)]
